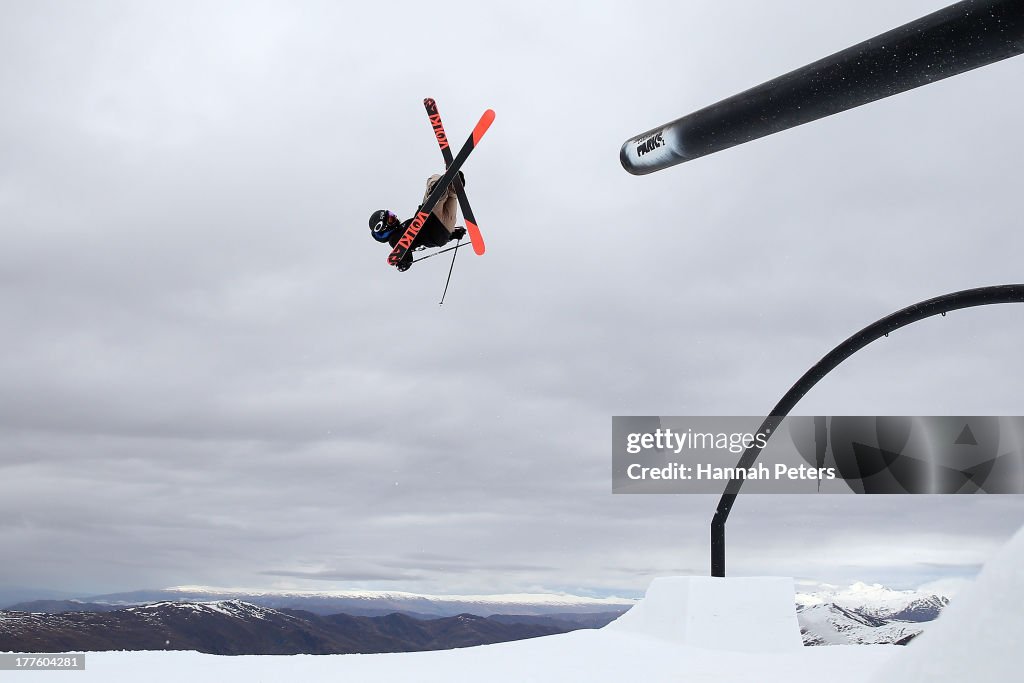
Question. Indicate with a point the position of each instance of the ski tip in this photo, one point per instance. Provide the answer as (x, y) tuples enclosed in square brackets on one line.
[(476, 238), (481, 127), (428, 102)]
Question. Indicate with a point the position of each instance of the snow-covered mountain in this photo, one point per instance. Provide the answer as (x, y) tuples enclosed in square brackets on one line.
[(865, 614), (378, 603), (233, 627), (877, 601), (828, 615), (833, 625), (974, 640)]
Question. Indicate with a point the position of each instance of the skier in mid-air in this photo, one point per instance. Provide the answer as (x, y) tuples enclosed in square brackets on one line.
[(437, 231)]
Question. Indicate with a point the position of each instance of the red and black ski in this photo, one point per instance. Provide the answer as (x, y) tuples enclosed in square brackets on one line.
[(440, 189), (467, 213)]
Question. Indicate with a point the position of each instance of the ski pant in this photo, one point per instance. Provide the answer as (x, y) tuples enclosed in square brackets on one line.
[(437, 229), (446, 208)]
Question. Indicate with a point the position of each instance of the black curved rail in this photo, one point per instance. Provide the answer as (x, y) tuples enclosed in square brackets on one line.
[(940, 305)]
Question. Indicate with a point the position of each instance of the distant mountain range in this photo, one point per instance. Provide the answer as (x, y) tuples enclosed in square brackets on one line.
[(375, 603), (235, 628), (233, 621), (865, 614), (872, 600)]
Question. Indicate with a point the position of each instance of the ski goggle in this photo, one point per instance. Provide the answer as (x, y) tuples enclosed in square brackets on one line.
[(390, 217)]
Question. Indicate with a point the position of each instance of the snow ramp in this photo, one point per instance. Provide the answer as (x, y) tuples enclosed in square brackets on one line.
[(977, 638), (756, 614)]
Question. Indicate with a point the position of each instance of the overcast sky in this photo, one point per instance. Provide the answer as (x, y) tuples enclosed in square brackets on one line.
[(209, 375)]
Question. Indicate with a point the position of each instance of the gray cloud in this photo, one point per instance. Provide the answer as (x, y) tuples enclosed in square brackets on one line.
[(210, 376)]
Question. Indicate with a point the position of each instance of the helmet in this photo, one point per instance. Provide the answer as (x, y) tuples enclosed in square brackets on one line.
[(383, 224)]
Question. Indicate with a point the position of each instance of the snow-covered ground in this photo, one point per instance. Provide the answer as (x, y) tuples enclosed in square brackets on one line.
[(978, 637), (577, 656), (686, 629)]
